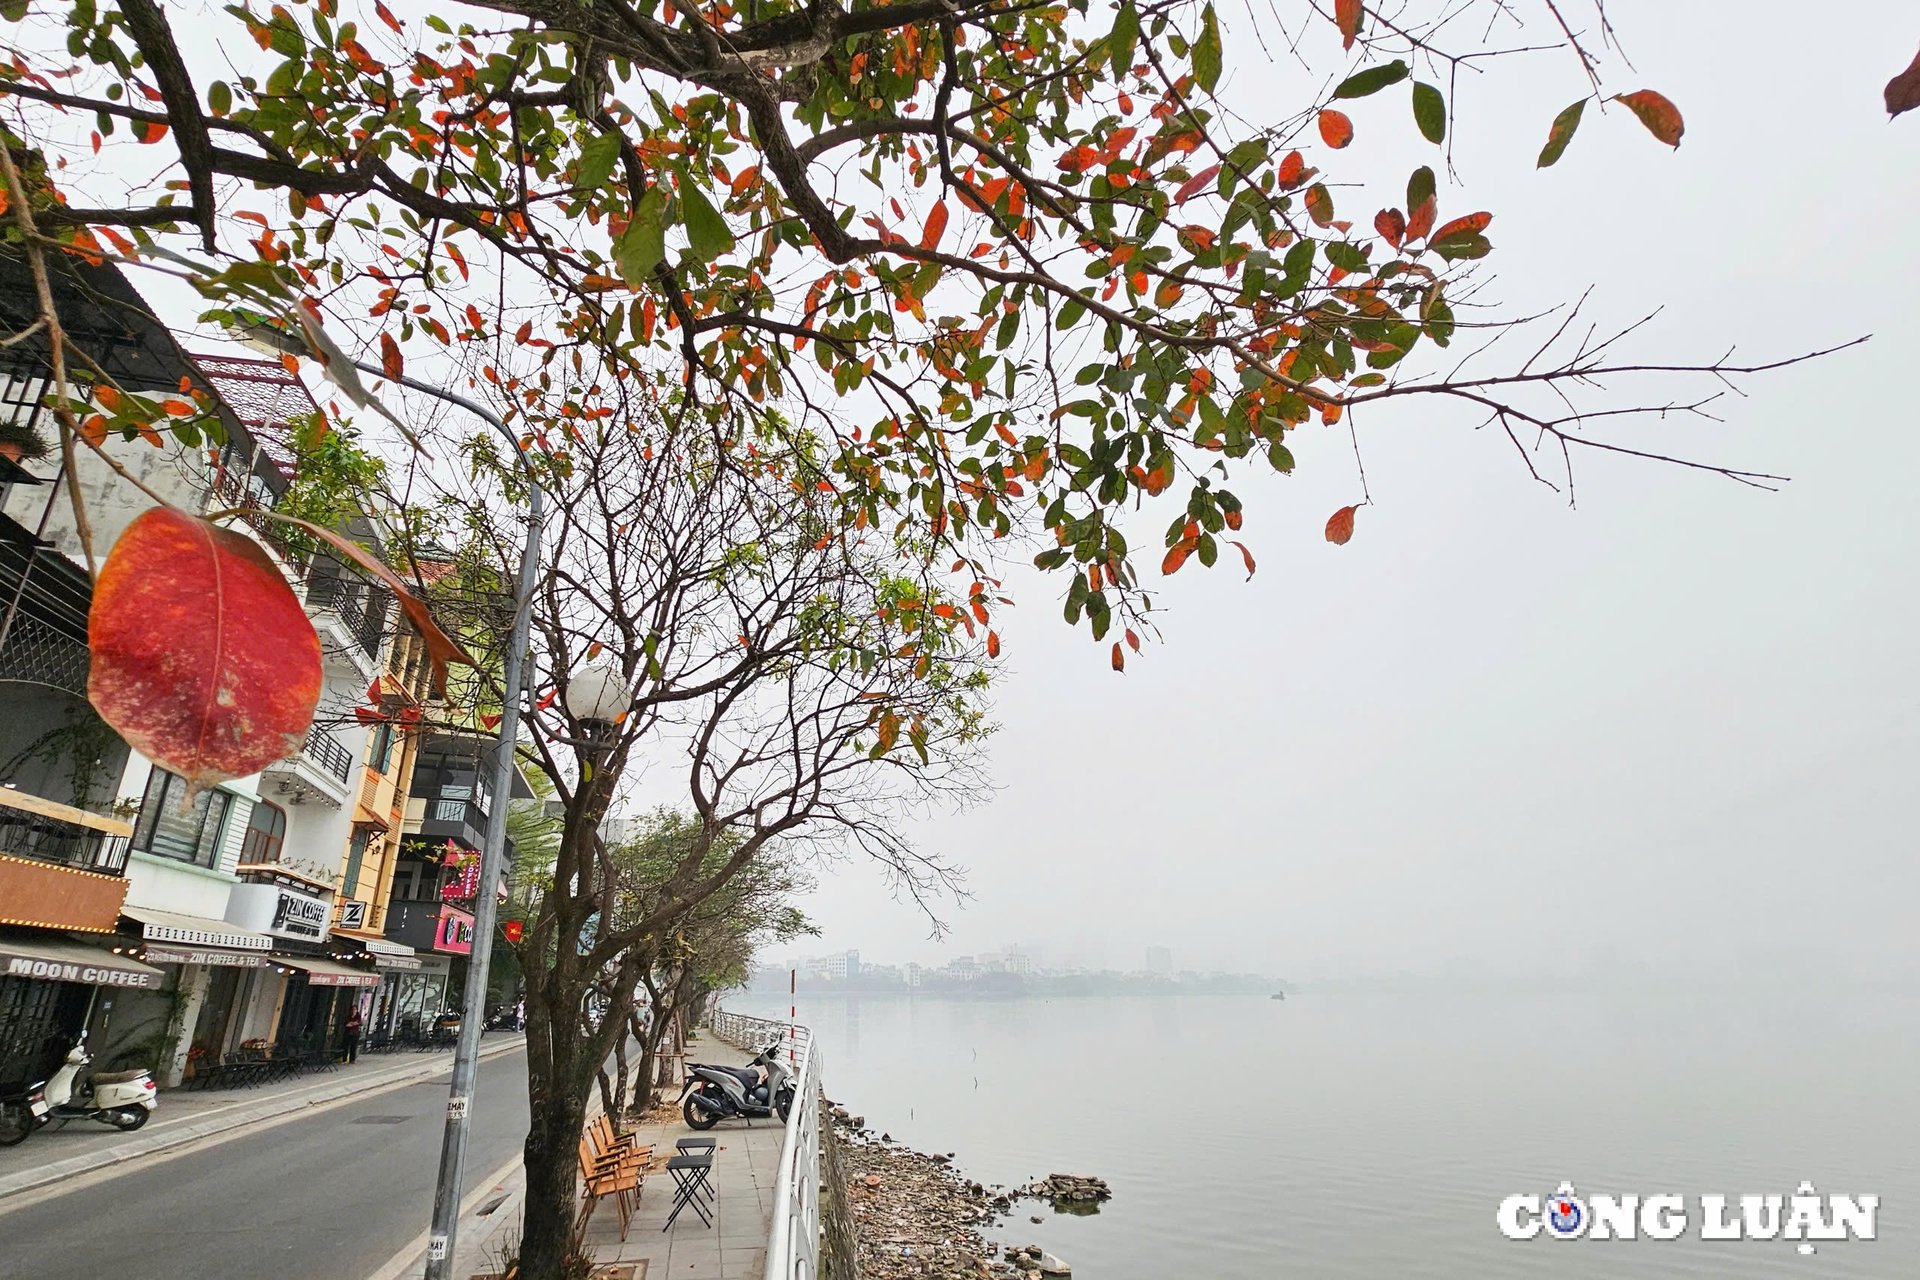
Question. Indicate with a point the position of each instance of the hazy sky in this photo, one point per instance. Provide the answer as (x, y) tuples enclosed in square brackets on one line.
[(1674, 726)]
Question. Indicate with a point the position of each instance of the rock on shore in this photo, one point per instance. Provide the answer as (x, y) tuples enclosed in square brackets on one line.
[(918, 1218), (1070, 1188)]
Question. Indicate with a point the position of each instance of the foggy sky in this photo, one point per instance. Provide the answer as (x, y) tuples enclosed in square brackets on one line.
[(1673, 729)]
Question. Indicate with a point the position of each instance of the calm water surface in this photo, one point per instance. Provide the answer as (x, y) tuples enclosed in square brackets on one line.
[(1341, 1136)]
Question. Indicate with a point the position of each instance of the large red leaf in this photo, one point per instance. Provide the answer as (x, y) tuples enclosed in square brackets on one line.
[(203, 659), (1340, 525), (1903, 91), (1660, 116)]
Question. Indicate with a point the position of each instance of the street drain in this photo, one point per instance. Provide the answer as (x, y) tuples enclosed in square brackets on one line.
[(383, 1119)]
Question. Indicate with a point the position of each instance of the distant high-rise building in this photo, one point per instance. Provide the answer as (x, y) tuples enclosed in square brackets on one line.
[(1159, 960)]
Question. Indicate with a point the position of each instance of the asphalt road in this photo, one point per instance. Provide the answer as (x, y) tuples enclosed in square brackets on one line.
[(330, 1196)]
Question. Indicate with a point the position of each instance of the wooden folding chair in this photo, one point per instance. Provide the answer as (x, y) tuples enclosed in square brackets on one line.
[(616, 1174)]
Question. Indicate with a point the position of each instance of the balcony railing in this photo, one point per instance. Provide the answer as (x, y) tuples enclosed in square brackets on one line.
[(31, 827), (325, 750), (361, 608)]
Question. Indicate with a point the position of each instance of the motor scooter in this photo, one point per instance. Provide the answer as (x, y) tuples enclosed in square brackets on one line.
[(122, 1099), (713, 1093)]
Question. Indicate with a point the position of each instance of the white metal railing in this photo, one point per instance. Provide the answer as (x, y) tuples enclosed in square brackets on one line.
[(793, 1240)]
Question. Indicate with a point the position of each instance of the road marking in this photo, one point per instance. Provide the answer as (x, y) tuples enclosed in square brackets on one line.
[(415, 1250)]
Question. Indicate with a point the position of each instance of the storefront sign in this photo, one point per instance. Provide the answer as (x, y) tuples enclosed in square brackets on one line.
[(456, 932), (67, 962), (284, 910), (315, 979), (189, 955), (398, 964), (41, 894), (353, 915)]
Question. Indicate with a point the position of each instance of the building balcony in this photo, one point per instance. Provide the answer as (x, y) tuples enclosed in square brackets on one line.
[(350, 617), (60, 867), (320, 771)]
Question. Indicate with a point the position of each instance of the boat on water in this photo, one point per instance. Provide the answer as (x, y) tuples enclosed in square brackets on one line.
[(1278, 995)]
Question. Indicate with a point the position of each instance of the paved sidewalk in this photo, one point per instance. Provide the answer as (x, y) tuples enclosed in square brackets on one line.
[(82, 1146), (744, 1167)]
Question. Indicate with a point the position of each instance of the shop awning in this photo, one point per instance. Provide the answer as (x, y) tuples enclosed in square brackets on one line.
[(325, 973), (53, 960), (195, 931), (393, 956)]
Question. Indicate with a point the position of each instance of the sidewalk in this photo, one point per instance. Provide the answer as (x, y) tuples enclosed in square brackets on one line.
[(734, 1248), (56, 1153)]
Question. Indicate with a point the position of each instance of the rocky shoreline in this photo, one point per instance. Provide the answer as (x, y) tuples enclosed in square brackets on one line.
[(918, 1217)]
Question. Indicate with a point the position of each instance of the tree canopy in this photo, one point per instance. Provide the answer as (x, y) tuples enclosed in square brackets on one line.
[(1023, 266)]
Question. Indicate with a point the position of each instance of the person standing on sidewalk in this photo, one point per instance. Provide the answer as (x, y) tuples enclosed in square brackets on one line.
[(353, 1034)]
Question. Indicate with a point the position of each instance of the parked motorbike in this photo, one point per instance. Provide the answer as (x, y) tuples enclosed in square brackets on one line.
[(123, 1099), (713, 1093)]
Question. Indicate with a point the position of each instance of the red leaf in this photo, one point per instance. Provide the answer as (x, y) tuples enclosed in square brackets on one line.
[(1293, 171), (1336, 130), (177, 408), (1392, 226), (1472, 224), (1133, 640), (1660, 116), (1903, 91), (203, 659), (1176, 556), (1422, 220), (459, 259), (936, 226), (1346, 13), (386, 15), (390, 360), (489, 721), (1340, 526), (1194, 185), (154, 131), (993, 644), (1247, 556), (1119, 658)]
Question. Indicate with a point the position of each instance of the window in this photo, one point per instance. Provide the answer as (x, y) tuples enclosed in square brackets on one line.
[(266, 829), (169, 827), (356, 851), (382, 749)]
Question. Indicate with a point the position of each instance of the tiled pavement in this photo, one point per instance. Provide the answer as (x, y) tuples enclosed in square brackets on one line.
[(744, 1167)]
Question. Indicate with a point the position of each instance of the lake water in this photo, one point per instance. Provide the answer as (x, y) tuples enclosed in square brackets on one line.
[(1336, 1136)]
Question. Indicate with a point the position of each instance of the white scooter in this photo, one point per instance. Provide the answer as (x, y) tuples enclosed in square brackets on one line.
[(123, 1099)]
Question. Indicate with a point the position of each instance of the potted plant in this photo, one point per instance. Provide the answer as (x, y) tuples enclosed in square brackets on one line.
[(20, 442)]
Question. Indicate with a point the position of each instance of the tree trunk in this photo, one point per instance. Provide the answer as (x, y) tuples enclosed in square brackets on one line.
[(553, 1170)]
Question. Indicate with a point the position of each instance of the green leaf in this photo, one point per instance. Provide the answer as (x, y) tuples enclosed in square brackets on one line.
[(1430, 113), (707, 233), (1125, 33), (1206, 51), (219, 97), (1454, 248), (1346, 256), (1561, 134), (1070, 311), (1372, 80), (1419, 188), (597, 159), (14, 10), (1280, 457), (643, 244)]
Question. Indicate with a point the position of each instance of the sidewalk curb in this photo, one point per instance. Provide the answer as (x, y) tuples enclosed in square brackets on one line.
[(228, 1121), (488, 1213)]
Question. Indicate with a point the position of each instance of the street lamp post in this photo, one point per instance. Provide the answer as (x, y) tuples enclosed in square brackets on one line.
[(305, 340), (443, 1234)]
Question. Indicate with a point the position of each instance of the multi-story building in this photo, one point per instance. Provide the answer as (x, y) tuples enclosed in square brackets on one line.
[(1159, 960), (253, 913)]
